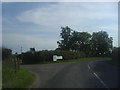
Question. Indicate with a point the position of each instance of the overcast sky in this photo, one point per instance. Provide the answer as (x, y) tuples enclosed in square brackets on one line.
[(39, 24)]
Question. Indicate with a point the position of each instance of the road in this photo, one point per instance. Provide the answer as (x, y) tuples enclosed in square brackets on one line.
[(84, 74)]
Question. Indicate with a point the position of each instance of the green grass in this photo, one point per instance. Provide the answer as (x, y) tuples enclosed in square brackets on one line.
[(75, 60), (20, 79)]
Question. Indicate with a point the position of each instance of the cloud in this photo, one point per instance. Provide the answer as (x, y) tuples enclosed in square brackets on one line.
[(68, 13), (40, 27)]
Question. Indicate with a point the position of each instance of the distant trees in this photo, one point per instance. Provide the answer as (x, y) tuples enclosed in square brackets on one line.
[(73, 45), (99, 43)]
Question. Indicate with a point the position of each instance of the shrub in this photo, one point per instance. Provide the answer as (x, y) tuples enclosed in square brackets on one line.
[(10, 62), (6, 53), (116, 55), (45, 55)]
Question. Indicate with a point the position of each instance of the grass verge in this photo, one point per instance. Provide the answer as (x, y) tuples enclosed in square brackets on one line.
[(75, 60), (20, 79)]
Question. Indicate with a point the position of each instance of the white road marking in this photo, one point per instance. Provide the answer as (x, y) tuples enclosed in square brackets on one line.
[(98, 78), (88, 66), (101, 80)]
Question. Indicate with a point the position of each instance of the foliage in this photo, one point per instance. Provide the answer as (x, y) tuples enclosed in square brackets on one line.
[(97, 44), (6, 53), (66, 36), (45, 55), (12, 75), (101, 43), (9, 62), (116, 56)]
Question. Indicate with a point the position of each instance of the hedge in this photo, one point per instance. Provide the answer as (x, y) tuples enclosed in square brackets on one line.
[(45, 55), (116, 55)]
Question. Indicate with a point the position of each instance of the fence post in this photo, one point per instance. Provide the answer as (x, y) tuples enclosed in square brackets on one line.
[(15, 64)]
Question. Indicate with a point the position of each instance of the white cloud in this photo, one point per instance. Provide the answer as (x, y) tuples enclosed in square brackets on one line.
[(68, 13), (41, 26)]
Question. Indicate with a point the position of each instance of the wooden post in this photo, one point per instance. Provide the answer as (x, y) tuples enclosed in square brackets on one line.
[(15, 64)]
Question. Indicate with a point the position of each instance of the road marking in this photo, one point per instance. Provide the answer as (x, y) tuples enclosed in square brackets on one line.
[(88, 66), (101, 80), (98, 78)]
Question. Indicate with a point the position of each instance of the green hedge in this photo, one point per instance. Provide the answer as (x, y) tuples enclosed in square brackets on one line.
[(116, 55), (6, 53), (45, 55), (12, 75)]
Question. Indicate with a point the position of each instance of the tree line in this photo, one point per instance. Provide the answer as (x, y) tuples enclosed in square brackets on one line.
[(95, 44), (73, 45)]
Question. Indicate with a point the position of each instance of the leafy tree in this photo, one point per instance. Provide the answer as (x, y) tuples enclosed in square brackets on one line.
[(101, 43), (65, 35), (80, 41), (73, 40)]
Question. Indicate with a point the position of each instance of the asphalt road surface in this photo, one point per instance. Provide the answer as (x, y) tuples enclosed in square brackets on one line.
[(84, 74)]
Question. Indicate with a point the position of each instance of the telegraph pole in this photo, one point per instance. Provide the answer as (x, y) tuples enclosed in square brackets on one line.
[(21, 49)]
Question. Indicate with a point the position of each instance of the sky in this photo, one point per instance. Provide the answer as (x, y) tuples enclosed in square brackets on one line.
[(38, 24)]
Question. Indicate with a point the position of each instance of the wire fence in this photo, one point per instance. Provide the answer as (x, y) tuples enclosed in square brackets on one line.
[(11, 64)]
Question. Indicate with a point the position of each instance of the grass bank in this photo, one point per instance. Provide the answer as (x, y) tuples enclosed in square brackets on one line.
[(75, 60), (20, 79)]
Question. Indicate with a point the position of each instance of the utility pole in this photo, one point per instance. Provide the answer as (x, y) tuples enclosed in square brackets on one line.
[(21, 49)]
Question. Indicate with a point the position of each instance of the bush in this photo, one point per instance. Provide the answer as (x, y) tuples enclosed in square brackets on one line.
[(116, 56), (6, 53), (12, 75), (10, 62), (45, 55)]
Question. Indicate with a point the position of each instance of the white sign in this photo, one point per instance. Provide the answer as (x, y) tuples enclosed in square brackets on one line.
[(55, 57)]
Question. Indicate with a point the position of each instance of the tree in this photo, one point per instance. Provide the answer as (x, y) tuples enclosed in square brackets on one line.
[(73, 40), (65, 35), (101, 43), (80, 41)]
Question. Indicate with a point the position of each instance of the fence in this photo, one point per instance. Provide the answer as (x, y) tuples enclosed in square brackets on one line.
[(11, 64)]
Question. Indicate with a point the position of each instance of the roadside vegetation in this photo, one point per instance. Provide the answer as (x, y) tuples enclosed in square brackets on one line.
[(12, 75), (115, 57), (20, 79), (73, 45)]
